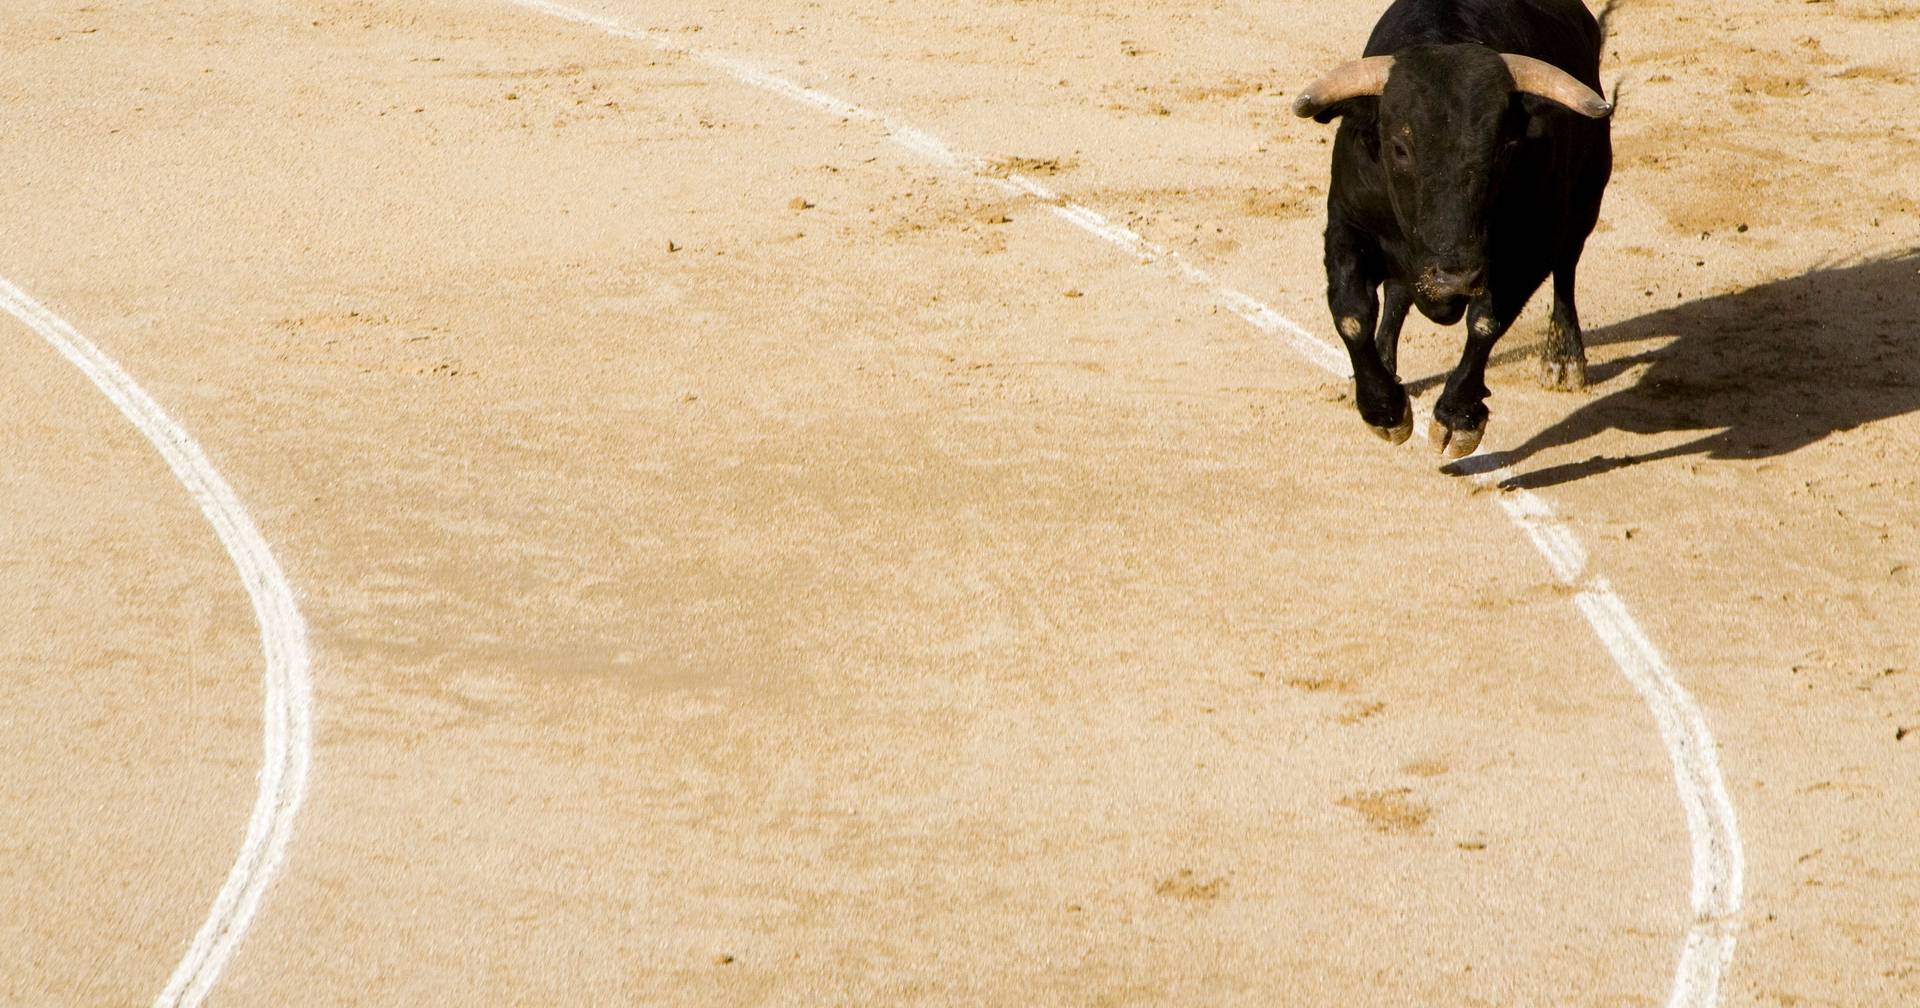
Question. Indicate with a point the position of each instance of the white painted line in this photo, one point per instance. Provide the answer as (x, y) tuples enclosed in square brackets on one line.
[(1718, 859), (1550, 536), (288, 722)]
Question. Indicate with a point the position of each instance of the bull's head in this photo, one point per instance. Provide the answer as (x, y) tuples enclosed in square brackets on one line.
[(1446, 120)]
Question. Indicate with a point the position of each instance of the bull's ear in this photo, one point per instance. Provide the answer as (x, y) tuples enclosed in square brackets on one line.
[(1529, 115), (1535, 113), (1361, 110)]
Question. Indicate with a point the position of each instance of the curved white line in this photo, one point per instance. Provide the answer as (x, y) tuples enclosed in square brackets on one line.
[(1718, 859), (288, 723)]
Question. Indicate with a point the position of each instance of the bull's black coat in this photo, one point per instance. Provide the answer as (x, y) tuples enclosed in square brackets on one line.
[(1458, 195)]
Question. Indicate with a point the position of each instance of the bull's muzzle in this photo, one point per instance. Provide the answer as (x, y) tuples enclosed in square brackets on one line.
[(1448, 284)]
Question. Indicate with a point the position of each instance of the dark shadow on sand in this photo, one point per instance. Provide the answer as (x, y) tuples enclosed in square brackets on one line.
[(1764, 371)]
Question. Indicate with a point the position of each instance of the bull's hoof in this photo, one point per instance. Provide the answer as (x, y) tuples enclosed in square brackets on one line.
[(1398, 433), (1453, 443), (1563, 375)]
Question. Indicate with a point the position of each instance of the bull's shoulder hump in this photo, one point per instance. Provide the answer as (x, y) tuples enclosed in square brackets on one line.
[(1561, 32)]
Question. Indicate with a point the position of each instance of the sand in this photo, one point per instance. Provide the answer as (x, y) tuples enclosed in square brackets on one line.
[(747, 565)]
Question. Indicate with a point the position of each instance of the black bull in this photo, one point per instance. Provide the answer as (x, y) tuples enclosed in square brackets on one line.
[(1472, 153)]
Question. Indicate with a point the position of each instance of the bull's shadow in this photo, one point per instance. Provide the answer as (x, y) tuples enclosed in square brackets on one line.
[(1764, 371)]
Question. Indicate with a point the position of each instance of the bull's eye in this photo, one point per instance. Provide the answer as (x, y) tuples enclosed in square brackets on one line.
[(1400, 151)]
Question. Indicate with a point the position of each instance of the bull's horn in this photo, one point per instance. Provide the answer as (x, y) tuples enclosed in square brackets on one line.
[(1349, 80), (1555, 85)]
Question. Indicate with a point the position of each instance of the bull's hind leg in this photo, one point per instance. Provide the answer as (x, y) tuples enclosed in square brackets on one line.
[(1353, 275), (1396, 297), (1563, 359)]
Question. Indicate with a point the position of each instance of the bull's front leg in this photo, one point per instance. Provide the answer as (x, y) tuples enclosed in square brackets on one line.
[(1352, 279), (1460, 414)]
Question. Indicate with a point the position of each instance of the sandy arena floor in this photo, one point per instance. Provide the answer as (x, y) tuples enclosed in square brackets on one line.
[(747, 564)]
